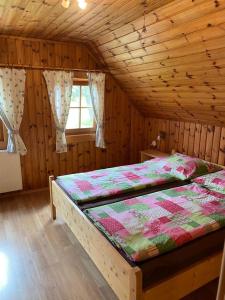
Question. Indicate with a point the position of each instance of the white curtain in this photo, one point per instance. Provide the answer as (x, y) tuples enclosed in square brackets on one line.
[(59, 84), (97, 90), (12, 87)]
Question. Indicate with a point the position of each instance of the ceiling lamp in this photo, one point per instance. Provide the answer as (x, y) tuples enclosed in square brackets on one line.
[(81, 3), (66, 3)]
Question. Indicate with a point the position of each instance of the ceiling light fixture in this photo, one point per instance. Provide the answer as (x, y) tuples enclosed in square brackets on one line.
[(66, 3), (81, 3)]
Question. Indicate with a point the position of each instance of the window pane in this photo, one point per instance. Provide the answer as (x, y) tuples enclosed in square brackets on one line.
[(87, 118), (73, 119), (75, 99), (85, 96)]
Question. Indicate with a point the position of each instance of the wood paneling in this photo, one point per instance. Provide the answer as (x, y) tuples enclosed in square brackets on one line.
[(200, 140), (136, 135), (1, 132), (37, 128), (174, 69), (48, 19), (3, 136)]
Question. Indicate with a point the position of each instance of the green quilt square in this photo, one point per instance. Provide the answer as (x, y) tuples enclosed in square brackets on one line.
[(119, 207), (219, 219), (163, 242), (138, 242), (103, 215)]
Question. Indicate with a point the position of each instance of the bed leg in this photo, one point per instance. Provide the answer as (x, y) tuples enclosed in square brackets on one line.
[(221, 286), (136, 284), (52, 206)]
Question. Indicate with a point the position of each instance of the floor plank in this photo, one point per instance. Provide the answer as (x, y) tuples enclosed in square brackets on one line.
[(42, 260)]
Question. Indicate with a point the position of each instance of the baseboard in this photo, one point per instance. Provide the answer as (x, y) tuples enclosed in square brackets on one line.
[(23, 192)]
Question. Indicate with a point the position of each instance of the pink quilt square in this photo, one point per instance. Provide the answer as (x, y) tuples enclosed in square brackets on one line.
[(179, 235), (84, 185), (170, 206), (111, 225), (131, 176)]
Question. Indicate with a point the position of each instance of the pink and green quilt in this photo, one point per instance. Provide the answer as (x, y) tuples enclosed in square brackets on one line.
[(214, 181), (115, 181), (183, 166), (149, 225)]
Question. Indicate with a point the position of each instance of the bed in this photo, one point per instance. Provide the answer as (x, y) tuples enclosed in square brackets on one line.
[(115, 184), (129, 279)]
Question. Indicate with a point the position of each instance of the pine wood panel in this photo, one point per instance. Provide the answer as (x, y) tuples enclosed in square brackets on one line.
[(199, 140), (48, 19), (1, 132), (37, 128), (3, 136), (175, 69)]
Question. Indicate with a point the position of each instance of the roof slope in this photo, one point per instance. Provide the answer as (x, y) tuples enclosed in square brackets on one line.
[(174, 69)]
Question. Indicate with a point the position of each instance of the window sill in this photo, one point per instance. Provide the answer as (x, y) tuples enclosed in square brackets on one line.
[(80, 138)]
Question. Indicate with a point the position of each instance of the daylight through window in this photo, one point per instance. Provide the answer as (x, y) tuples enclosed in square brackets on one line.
[(81, 112)]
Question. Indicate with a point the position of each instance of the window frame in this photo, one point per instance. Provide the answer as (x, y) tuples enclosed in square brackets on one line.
[(3, 143), (81, 131)]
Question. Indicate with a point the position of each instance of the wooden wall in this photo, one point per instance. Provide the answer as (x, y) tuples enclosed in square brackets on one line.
[(37, 129), (200, 140), (137, 135), (170, 63), (1, 132)]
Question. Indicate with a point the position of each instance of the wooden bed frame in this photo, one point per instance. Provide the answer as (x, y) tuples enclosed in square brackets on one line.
[(125, 280)]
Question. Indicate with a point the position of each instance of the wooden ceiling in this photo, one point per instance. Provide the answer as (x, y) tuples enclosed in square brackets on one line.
[(175, 69)]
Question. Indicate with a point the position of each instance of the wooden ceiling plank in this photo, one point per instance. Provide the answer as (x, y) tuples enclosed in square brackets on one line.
[(75, 16), (190, 48), (173, 38), (164, 12), (188, 61), (100, 11), (207, 7), (122, 28)]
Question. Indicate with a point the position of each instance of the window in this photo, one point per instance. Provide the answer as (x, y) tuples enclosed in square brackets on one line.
[(3, 136), (81, 117)]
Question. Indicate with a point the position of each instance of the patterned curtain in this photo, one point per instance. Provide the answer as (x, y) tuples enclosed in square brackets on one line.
[(12, 86), (97, 89), (59, 84)]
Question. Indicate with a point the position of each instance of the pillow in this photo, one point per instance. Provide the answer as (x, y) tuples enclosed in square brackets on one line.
[(214, 181), (183, 166)]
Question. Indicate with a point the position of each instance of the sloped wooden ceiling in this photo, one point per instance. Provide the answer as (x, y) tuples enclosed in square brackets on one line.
[(173, 69)]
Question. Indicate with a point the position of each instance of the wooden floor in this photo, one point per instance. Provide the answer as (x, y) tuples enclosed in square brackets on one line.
[(42, 260)]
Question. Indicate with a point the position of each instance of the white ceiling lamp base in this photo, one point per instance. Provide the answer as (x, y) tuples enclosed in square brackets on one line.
[(81, 3)]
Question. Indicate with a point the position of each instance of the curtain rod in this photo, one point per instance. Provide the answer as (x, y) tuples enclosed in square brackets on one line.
[(52, 68)]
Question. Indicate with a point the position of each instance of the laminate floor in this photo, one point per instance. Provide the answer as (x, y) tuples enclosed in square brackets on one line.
[(42, 260)]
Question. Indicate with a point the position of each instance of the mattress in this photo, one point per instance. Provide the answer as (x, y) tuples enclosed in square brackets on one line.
[(147, 226), (112, 182)]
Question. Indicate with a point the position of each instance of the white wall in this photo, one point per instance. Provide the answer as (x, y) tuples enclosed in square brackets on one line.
[(10, 172)]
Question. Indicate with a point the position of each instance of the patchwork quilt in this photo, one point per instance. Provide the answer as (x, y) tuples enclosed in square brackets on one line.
[(183, 166), (214, 181), (149, 225), (99, 184)]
